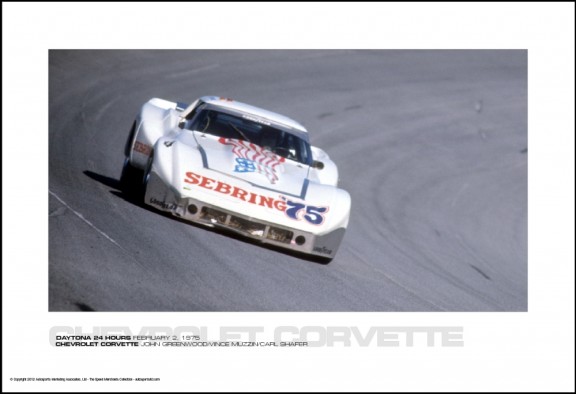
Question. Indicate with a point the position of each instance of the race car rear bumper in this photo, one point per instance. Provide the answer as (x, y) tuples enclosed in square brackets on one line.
[(165, 198)]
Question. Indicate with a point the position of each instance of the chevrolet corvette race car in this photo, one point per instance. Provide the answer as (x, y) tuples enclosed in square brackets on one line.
[(233, 166)]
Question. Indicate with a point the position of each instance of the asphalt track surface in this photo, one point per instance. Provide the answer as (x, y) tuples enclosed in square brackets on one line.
[(431, 145)]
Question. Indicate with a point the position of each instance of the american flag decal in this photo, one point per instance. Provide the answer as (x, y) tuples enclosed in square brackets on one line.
[(265, 162)]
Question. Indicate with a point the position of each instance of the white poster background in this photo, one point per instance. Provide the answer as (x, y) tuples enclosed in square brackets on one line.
[(531, 351)]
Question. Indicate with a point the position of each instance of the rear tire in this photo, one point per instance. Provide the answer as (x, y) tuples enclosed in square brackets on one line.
[(131, 180)]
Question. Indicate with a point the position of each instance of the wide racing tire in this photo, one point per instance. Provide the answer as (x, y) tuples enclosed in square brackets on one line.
[(131, 181)]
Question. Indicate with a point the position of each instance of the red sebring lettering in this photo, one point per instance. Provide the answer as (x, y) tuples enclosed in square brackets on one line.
[(205, 183), (239, 193), (192, 178), (253, 197), (266, 201), (223, 188), (280, 205), (234, 191)]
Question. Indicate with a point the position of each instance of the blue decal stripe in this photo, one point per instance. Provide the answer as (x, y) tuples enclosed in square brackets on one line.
[(304, 189), (204, 157)]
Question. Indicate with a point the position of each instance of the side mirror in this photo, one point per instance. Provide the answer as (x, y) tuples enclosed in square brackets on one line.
[(317, 164)]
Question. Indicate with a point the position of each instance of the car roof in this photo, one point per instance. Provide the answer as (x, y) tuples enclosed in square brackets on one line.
[(250, 109)]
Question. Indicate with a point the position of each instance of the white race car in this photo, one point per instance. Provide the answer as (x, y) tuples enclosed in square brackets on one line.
[(233, 166)]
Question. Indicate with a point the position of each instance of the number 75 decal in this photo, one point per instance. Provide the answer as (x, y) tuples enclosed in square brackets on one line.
[(312, 214)]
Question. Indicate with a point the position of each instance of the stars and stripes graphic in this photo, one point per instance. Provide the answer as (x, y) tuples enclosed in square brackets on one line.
[(253, 158)]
